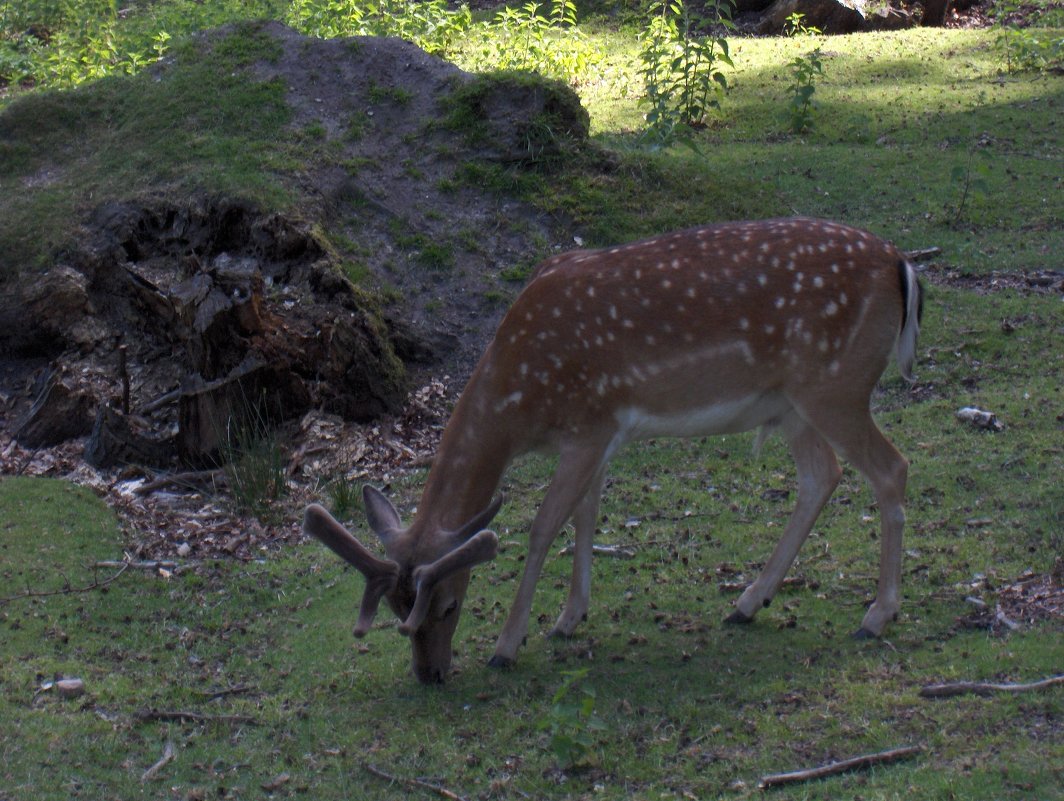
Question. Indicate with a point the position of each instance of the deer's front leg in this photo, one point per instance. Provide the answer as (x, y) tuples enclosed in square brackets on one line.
[(573, 478), (584, 519)]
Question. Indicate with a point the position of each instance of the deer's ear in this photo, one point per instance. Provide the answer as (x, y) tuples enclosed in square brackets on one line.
[(381, 515)]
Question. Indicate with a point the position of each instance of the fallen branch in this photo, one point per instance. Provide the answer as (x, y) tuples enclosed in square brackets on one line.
[(164, 760), (985, 688), (68, 590), (187, 480), (195, 717), (618, 551), (923, 254), (834, 768), (150, 565), (212, 695), (433, 788)]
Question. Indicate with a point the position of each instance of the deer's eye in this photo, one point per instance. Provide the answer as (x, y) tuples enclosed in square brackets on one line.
[(450, 609)]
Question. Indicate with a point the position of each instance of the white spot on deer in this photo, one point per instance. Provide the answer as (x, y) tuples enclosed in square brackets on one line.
[(849, 248), (613, 312), (650, 340), (835, 268), (818, 281), (780, 303), (833, 368), (510, 400), (638, 274), (523, 369), (770, 329), (831, 309), (842, 299), (744, 324), (528, 316), (666, 284), (762, 279), (775, 261), (627, 324), (822, 346)]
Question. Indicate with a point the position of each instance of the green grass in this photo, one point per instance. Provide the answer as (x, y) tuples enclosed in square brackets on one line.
[(689, 707), (200, 123)]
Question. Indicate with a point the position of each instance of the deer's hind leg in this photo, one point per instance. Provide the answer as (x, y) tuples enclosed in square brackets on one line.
[(818, 475)]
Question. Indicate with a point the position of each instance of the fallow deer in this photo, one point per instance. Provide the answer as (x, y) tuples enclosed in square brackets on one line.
[(784, 325)]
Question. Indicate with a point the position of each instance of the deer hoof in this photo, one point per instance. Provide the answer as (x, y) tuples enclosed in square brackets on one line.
[(864, 634), (737, 618), (500, 662)]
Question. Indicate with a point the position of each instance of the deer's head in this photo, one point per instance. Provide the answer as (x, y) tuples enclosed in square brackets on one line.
[(423, 577)]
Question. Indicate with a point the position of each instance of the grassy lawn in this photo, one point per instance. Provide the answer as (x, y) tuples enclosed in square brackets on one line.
[(684, 707)]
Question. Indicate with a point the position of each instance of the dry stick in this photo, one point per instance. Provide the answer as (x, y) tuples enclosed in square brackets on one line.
[(96, 584), (210, 696), (833, 768), (154, 564), (435, 788), (166, 758), (983, 688), (195, 717)]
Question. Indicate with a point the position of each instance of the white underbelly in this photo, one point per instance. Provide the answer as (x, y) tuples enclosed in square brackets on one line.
[(724, 417)]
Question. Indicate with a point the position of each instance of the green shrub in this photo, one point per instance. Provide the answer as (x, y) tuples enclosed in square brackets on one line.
[(682, 70)]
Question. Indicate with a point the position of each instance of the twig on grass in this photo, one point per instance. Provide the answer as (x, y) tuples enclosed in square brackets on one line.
[(985, 688), (164, 760), (154, 564), (211, 695), (842, 766), (434, 788), (195, 717), (67, 590)]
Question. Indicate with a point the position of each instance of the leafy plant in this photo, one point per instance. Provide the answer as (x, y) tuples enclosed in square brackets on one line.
[(537, 38), (972, 178), (1030, 47), (572, 722), (431, 25), (682, 70), (805, 69)]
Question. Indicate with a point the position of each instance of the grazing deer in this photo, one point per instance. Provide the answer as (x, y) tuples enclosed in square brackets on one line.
[(781, 324)]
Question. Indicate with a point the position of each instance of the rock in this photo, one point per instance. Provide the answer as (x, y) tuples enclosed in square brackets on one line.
[(834, 16), (830, 16)]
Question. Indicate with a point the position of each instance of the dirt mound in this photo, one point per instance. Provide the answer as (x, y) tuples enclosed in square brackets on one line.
[(168, 319)]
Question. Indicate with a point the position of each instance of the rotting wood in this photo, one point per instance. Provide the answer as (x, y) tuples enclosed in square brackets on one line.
[(985, 688), (418, 783), (842, 766)]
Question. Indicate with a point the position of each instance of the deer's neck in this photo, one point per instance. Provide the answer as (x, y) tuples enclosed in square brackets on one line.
[(477, 446)]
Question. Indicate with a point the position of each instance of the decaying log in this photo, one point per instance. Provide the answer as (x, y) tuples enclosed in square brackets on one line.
[(58, 413), (114, 441)]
